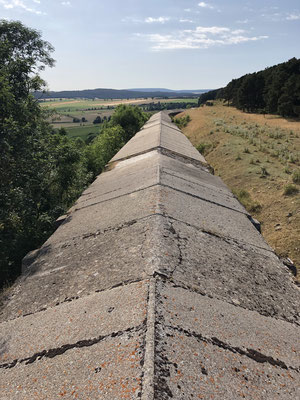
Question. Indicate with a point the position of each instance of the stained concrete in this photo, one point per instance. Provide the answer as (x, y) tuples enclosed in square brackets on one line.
[(110, 369), (189, 367), (162, 136), (156, 286), (99, 314)]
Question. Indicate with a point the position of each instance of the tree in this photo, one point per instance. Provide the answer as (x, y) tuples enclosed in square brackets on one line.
[(97, 120), (130, 118), (41, 171)]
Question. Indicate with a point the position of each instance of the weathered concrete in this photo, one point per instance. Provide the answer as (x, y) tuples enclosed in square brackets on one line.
[(159, 136), (156, 286), (99, 314)]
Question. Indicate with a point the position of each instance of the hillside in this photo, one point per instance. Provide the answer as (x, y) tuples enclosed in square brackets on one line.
[(195, 91), (258, 158), (112, 94), (275, 90)]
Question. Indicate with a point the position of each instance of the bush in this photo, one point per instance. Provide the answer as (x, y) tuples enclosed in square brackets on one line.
[(245, 199), (263, 172), (296, 176), (203, 147), (97, 120), (290, 190), (183, 121)]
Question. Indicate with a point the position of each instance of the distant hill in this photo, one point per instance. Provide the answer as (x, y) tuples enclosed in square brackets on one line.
[(195, 91), (115, 94)]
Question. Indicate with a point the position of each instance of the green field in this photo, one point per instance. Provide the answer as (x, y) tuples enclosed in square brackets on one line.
[(65, 110), (70, 105), (82, 131)]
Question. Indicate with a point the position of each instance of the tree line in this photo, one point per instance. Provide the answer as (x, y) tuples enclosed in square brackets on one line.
[(42, 171), (275, 90), (159, 106)]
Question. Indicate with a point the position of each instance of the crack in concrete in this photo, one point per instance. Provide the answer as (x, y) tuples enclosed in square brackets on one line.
[(113, 198), (186, 160), (149, 354), (221, 190), (224, 238), (195, 196), (195, 289), (74, 298), (51, 353), (161, 123), (169, 153), (248, 352), (180, 246)]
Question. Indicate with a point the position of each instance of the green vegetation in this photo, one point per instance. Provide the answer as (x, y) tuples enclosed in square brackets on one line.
[(170, 105), (275, 90), (42, 170), (290, 190), (296, 176), (245, 199), (83, 132), (181, 122), (204, 148)]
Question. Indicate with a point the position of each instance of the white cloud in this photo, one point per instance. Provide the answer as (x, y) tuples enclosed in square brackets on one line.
[(37, 1), (183, 20), (205, 5), (161, 20), (187, 10), (199, 38), (66, 3), (293, 17), (243, 21), (214, 30), (11, 4)]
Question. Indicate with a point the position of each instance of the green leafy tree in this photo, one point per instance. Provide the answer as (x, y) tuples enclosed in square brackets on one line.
[(41, 172), (130, 118)]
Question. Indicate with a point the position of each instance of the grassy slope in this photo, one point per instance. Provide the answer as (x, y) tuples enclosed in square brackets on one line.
[(241, 147)]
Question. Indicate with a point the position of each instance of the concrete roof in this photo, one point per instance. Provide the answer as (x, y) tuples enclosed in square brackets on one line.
[(156, 286)]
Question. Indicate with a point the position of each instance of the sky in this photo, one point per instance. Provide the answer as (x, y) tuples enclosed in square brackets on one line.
[(174, 44)]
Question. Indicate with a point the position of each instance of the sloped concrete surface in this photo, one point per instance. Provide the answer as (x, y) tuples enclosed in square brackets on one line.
[(97, 315), (109, 369), (156, 286), (159, 135)]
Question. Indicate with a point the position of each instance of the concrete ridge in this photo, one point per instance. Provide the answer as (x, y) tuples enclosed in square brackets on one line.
[(156, 286)]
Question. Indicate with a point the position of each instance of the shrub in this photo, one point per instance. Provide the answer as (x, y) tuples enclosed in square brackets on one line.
[(296, 176), (183, 121), (202, 147), (290, 190), (245, 199), (264, 172)]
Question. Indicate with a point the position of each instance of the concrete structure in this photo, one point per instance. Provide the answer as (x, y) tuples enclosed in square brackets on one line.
[(156, 286)]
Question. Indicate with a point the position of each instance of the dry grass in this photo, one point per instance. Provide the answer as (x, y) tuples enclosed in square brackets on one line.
[(259, 155)]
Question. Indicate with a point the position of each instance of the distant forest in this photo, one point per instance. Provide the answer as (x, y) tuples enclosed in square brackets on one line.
[(108, 94), (275, 90), (159, 106)]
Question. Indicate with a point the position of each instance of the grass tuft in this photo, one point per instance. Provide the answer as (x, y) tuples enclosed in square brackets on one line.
[(296, 176), (290, 190)]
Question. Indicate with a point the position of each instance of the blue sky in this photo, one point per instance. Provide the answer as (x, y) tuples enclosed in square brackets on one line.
[(176, 44)]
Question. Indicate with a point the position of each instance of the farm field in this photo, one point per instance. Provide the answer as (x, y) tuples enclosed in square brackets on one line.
[(67, 109), (258, 157), (78, 105), (82, 131)]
